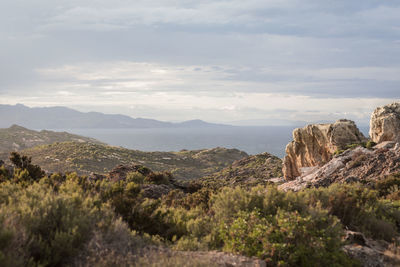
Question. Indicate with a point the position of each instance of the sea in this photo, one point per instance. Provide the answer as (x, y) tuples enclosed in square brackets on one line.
[(253, 140)]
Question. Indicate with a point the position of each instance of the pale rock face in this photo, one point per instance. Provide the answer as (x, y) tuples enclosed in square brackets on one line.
[(355, 165), (315, 144), (385, 123)]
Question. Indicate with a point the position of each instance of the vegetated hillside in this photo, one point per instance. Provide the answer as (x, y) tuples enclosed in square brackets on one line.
[(85, 158), (17, 138), (250, 171), (145, 218)]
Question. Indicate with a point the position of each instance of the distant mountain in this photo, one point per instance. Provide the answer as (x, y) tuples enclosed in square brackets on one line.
[(199, 123), (18, 138), (66, 118)]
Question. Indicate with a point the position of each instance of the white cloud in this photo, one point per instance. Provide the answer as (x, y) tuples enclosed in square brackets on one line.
[(211, 59)]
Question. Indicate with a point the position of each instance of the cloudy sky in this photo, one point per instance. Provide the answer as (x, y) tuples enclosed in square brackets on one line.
[(249, 62)]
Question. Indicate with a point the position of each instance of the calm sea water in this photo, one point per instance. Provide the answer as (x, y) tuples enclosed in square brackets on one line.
[(253, 140)]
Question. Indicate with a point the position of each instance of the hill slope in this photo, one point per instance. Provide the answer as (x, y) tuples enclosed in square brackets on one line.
[(249, 171), (85, 158), (18, 138)]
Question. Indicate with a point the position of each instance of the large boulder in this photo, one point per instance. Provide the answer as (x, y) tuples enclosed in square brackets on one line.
[(385, 123), (355, 165), (315, 145)]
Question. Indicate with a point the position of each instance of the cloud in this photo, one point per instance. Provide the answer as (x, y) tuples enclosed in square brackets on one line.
[(123, 77), (234, 59)]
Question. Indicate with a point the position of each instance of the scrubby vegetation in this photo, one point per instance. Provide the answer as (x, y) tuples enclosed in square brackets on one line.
[(368, 144), (67, 219), (249, 171), (85, 158)]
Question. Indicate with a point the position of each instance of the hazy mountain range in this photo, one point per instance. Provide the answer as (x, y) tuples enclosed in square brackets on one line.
[(66, 118)]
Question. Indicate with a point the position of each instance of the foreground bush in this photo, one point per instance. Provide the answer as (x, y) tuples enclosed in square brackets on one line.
[(358, 208), (48, 228), (72, 220), (287, 238)]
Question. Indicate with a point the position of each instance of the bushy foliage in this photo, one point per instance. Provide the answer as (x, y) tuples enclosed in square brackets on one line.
[(287, 238), (389, 187), (73, 220), (52, 227), (24, 169), (358, 208), (278, 227)]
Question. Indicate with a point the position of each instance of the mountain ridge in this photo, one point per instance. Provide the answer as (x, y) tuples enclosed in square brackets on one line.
[(59, 117)]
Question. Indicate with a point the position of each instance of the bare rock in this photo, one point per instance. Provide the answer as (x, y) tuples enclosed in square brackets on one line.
[(385, 123), (370, 253), (359, 164), (315, 144), (366, 255), (356, 238), (385, 145)]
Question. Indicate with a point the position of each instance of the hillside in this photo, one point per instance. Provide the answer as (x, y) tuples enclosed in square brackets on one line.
[(67, 118), (249, 171), (17, 138), (343, 211), (85, 158)]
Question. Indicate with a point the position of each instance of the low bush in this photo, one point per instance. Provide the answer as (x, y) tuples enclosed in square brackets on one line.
[(358, 208), (389, 187), (72, 220), (51, 227)]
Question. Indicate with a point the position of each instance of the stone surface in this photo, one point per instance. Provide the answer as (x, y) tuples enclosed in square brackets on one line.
[(359, 164), (315, 144), (385, 123), (371, 253)]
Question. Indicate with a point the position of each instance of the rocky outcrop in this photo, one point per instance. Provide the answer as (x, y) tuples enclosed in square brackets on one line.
[(359, 164), (315, 144), (385, 123), (370, 253)]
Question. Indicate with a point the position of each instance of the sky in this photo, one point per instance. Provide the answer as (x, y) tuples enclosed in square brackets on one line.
[(250, 62)]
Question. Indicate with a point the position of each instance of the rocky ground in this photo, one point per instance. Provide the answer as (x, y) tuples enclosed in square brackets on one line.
[(354, 165)]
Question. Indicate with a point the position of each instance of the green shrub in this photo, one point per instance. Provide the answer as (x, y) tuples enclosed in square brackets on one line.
[(56, 225), (136, 177), (158, 178), (25, 171), (4, 174), (286, 239), (358, 208), (198, 199), (389, 187), (370, 144)]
